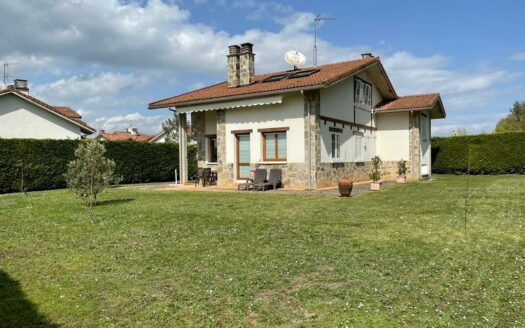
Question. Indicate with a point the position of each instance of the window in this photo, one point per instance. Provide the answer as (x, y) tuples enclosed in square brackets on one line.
[(424, 127), (212, 149), (274, 146), (358, 148), (303, 73), (336, 146), (363, 93)]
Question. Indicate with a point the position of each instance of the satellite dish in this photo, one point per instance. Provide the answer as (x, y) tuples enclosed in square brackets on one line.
[(294, 58)]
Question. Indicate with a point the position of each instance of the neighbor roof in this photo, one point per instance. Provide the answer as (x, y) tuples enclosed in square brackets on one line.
[(414, 102), (62, 111), (124, 136), (410, 102), (328, 74)]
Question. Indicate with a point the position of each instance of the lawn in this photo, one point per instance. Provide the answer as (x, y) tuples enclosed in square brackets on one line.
[(154, 258)]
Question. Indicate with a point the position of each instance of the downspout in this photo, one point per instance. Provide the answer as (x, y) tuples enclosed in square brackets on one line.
[(412, 143), (309, 145)]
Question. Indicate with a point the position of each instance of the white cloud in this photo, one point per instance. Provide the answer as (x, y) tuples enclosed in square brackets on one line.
[(145, 124), (92, 89), (518, 56), (411, 74)]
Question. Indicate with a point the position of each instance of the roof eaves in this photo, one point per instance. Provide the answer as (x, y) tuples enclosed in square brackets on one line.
[(245, 96)]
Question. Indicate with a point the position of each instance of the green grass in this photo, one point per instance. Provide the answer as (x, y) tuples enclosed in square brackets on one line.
[(393, 258)]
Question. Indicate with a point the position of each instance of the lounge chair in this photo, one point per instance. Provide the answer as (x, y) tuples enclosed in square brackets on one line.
[(274, 181), (258, 177)]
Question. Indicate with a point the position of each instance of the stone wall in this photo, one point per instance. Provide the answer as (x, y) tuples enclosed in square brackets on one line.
[(198, 127), (312, 136), (414, 162), (224, 170)]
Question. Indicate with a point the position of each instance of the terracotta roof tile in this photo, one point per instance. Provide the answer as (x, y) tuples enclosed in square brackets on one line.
[(410, 102), (63, 111), (327, 75), (124, 136)]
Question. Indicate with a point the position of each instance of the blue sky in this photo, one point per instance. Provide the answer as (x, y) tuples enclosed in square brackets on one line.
[(109, 59)]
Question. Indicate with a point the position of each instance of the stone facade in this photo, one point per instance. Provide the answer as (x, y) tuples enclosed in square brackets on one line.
[(198, 126), (233, 66), (224, 170), (246, 64), (414, 162), (312, 136)]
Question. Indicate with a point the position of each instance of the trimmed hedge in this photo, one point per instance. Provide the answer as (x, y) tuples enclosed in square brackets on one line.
[(502, 153), (44, 162)]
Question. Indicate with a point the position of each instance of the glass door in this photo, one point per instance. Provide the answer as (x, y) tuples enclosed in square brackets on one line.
[(243, 156)]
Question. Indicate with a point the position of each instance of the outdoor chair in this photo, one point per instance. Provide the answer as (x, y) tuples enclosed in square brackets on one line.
[(206, 176), (274, 181), (200, 176), (258, 177)]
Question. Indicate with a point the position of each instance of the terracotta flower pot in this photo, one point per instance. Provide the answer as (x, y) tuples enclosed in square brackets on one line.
[(345, 186), (401, 179)]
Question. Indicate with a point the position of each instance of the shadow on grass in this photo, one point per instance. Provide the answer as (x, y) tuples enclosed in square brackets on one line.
[(113, 201), (15, 309)]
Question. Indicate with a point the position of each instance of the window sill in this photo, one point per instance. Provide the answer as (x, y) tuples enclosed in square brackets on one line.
[(211, 163), (336, 160)]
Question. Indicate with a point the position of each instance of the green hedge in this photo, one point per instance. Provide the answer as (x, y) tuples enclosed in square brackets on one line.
[(44, 162), (502, 153)]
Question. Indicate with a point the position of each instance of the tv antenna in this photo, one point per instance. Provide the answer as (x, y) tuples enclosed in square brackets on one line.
[(317, 21), (6, 70)]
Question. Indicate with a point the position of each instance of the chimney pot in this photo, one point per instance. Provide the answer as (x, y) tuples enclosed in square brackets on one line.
[(246, 47), (21, 85)]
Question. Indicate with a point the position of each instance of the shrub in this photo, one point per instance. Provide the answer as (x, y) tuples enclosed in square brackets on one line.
[(376, 164), (500, 153), (402, 168), (45, 162)]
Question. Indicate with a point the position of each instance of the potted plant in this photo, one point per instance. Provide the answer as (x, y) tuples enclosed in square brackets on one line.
[(375, 175), (345, 187), (401, 171)]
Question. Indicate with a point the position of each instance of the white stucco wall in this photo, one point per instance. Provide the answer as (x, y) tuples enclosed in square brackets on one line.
[(337, 102), (393, 136), (290, 113), (210, 122), (22, 119)]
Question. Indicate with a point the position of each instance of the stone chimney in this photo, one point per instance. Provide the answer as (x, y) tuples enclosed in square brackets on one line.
[(247, 64), (21, 85), (233, 66), (133, 131), (101, 131), (367, 55)]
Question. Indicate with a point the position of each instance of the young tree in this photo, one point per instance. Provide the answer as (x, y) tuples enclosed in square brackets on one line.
[(515, 120), (90, 173)]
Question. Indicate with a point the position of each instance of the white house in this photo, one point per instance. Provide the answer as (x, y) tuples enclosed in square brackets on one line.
[(318, 124), (24, 116)]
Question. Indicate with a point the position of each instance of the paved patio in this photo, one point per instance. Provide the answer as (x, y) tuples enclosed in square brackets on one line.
[(359, 188)]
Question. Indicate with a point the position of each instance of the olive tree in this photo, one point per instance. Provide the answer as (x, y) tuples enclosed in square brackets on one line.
[(90, 172)]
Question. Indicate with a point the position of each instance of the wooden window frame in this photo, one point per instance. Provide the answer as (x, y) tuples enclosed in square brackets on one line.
[(337, 136), (209, 138), (264, 133), (356, 95), (238, 164)]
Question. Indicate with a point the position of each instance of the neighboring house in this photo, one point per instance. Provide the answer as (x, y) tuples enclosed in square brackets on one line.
[(24, 116), (160, 137), (318, 124), (132, 134)]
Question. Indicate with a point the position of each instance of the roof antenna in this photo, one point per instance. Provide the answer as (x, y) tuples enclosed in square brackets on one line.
[(6, 70), (317, 22)]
